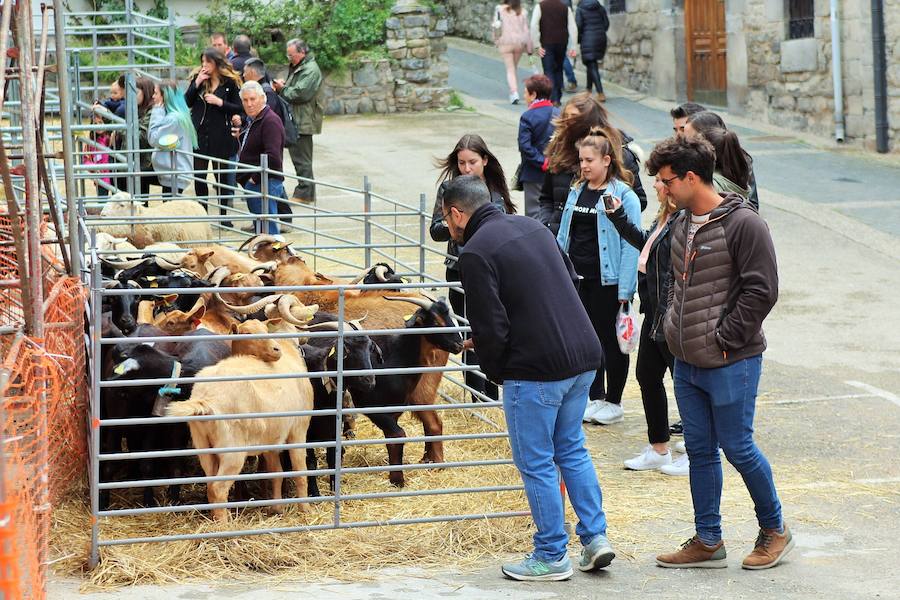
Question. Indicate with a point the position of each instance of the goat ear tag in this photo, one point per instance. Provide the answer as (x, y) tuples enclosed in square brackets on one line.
[(407, 317), (330, 354), (126, 366), (154, 284), (238, 276)]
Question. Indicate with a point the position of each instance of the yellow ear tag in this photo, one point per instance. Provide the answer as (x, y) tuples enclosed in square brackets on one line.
[(150, 277), (154, 284), (238, 276), (277, 246), (120, 369), (330, 354), (407, 317)]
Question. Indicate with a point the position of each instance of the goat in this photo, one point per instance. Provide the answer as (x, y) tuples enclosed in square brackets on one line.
[(137, 360), (270, 395)]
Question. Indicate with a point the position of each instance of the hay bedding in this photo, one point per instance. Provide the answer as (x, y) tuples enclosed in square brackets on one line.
[(647, 512)]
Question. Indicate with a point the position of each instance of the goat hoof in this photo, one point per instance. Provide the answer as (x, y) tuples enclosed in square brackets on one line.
[(278, 509), (221, 515), (397, 481)]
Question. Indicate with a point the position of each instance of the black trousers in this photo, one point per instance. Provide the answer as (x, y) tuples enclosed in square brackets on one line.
[(201, 188), (652, 361), (593, 76), (554, 57), (602, 305), (476, 382)]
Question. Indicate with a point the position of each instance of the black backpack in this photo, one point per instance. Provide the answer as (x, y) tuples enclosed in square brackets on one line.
[(287, 119)]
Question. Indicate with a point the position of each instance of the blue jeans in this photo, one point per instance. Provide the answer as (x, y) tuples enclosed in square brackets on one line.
[(254, 203), (544, 423), (569, 71), (554, 57), (717, 408)]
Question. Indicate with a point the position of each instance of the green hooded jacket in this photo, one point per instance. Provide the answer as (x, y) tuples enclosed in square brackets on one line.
[(724, 185), (301, 90)]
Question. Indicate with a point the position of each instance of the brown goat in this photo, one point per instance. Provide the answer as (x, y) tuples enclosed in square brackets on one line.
[(263, 349)]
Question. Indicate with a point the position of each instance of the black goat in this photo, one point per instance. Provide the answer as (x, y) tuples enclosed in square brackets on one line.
[(140, 360)]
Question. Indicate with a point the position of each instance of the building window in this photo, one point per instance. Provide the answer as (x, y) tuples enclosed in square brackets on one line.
[(801, 19), (616, 6)]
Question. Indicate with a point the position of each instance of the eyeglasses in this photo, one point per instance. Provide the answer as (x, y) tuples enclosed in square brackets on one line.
[(667, 182)]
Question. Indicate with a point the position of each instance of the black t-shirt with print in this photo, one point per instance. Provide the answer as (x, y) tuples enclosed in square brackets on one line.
[(583, 247)]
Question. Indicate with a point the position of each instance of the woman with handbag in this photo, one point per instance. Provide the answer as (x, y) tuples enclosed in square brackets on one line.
[(173, 137), (654, 357), (513, 38), (470, 156), (606, 263)]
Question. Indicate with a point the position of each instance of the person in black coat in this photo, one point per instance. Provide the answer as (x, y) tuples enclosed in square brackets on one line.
[(533, 334), (470, 156), (593, 24), (535, 129), (212, 96), (654, 357)]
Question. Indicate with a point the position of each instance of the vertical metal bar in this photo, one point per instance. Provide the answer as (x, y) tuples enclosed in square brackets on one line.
[(33, 277), (94, 450), (367, 207), (339, 415), (423, 224), (879, 66), (129, 28), (95, 52), (264, 190), (65, 116), (132, 135), (171, 44)]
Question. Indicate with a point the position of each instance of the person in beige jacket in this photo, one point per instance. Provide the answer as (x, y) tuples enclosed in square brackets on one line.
[(513, 38)]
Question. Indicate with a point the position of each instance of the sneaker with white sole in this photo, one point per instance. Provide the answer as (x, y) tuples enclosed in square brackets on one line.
[(679, 467), (590, 410), (514, 98), (679, 447), (596, 555), (533, 569), (648, 460), (608, 413)]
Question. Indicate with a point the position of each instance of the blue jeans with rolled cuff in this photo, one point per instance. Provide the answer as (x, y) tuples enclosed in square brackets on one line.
[(254, 203), (545, 433), (717, 408)]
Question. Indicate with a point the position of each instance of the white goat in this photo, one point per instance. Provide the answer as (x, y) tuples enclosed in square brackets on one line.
[(144, 234), (267, 395)]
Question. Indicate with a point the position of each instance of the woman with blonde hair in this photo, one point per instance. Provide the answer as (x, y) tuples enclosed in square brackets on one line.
[(654, 357), (513, 38), (606, 263)]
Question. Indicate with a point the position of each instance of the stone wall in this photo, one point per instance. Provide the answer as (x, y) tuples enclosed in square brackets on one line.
[(364, 88), (629, 51)]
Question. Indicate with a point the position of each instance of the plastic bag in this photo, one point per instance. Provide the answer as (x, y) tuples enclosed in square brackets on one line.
[(628, 329)]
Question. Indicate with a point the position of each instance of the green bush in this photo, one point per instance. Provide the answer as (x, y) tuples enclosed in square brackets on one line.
[(334, 29)]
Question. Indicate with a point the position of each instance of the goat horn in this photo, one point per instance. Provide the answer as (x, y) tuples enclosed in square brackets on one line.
[(426, 304), (250, 308), (256, 241), (266, 267), (381, 272), (218, 275), (360, 277), (427, 295), (324, 325), (287, 303), (125, 264)]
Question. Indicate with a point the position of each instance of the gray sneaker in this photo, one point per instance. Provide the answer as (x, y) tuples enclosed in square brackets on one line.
[(532, 569), (596, 555)]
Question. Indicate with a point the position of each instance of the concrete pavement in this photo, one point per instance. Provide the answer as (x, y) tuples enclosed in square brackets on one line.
[(828, 414)]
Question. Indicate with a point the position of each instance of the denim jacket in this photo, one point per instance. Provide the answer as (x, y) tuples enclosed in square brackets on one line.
[(618, 264)]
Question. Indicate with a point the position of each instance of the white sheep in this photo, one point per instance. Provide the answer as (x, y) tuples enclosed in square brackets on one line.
[(144, 234)]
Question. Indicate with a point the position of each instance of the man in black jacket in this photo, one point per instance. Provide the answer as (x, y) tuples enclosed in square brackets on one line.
[(532, 333)]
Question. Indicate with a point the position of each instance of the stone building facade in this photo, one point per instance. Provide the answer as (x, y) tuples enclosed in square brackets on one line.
[(767, 74)]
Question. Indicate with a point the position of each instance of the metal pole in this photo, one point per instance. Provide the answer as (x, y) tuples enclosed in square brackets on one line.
[(339, 407), (94, 450), (879, 67), (264, 191), (423, 224), (132, 134), (367, 208), (836, 75), (129, 24), (171, 44), (33, 277), (65, 116)]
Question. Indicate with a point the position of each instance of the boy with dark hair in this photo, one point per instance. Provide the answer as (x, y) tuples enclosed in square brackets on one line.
[(725, 283), (681, 113)]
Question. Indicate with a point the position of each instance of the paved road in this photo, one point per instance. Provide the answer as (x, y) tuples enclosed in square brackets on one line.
[(853, 184)]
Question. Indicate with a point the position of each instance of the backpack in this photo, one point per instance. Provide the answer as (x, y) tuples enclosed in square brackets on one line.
[(287, 119)]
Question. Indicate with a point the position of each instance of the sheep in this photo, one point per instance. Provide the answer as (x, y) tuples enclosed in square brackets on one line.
[(144, 234), (269, 395)]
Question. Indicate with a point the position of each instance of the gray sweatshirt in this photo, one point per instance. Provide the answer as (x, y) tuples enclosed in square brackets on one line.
[(162, 124)]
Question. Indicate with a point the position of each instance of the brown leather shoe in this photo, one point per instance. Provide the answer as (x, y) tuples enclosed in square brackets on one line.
[(601, 97), (694, 554), (770, 548)]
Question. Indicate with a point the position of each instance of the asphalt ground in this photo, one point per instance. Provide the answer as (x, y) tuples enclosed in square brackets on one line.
[(828, 413)]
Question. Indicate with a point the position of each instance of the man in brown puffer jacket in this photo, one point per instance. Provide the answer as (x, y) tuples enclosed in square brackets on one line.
[(725, 283)]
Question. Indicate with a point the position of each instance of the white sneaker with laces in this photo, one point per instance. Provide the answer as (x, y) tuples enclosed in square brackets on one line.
[(648, 460), (679, 447), (590, 410), (679, 467), (608, 413), (514, 98)]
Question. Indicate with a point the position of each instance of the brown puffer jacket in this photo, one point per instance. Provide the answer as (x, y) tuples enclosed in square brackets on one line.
[(724, 289)]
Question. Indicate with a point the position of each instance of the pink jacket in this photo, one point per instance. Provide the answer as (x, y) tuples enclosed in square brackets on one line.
[(514, 31)]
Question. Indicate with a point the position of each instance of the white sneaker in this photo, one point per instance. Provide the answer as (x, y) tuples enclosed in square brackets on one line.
[(590, 410), (648, 460), (608, 413), (514, 98), (679, 466), (679, 447)]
